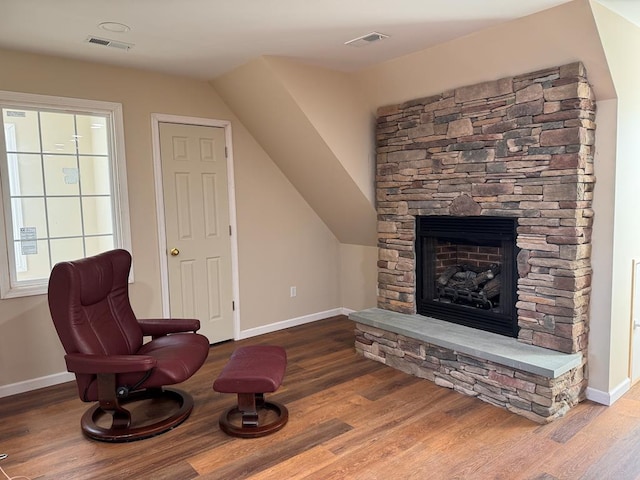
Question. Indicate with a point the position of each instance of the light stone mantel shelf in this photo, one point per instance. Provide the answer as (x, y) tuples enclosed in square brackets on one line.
[(476, 343)]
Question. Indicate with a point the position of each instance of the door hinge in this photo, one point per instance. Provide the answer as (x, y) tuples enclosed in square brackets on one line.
[(233, 305), (230, 234), (226, 152)]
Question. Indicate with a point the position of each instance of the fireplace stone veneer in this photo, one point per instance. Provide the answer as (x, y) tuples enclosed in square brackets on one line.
[(518, 147)]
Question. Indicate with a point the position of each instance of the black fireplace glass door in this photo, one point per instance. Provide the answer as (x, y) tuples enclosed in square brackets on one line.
[(466, 271)]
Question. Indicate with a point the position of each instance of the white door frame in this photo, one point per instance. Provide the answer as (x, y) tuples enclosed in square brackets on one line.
[(156, 119)]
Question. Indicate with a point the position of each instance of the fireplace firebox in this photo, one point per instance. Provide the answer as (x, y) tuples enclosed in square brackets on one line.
[(466, 271)]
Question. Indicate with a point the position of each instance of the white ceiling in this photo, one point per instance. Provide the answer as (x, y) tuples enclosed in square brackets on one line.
[(206, 38)]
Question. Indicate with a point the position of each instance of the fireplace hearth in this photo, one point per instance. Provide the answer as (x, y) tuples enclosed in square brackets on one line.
[(466, 271)]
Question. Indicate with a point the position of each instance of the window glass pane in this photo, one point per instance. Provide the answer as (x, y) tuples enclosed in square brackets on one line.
[(94, 175), (35, 257), (64, 217), (94, 245), (58, 132), (92, 135), (25, 174), (65, 249), (21, 130), (29, 213), (97, 215), (59, 180), (61, 175)]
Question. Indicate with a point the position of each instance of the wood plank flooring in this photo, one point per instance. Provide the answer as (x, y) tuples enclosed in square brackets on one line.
[(350, 418)]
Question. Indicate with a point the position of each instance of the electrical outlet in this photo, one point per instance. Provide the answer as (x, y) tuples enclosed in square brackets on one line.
[(293, 292)]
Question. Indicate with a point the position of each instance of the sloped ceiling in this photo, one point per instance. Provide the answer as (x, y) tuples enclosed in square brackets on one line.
[(294, 110), (265, 105)]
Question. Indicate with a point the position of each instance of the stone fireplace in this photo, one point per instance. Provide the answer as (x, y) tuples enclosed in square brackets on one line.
[(520, 149)]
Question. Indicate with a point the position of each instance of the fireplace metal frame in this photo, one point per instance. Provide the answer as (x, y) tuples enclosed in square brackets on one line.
[(482, 231)]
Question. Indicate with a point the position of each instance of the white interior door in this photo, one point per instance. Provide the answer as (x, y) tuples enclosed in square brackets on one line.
[(196, 210)]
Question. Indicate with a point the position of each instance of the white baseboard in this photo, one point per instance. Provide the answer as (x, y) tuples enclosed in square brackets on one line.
[(293, 322), (62, 377), (608, 398), (35, 383)]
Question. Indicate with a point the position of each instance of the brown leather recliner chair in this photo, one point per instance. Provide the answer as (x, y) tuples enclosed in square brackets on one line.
[(89, 304)]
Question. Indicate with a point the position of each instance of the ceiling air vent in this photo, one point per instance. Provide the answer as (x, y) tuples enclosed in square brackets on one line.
[(367, 39), (109, 43)]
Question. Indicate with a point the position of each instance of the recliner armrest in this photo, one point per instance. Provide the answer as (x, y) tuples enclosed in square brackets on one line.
[(157, 327), (93, 364)]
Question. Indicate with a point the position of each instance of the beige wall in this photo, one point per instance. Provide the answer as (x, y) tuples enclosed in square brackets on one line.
[(621, 39), (343, 274), (553, 37), (604, 164), (282, 242), (358, 276), (319, 130), (557, 36)]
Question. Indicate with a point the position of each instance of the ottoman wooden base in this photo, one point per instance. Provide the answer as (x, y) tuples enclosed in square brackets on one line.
[(249, 424)]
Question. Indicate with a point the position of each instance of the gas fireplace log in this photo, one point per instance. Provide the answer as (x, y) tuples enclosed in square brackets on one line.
[(464, 275), (483, 277), (458, 284), (471, 278), (467, 267), (447, 274), (492, 287), (464, 279)]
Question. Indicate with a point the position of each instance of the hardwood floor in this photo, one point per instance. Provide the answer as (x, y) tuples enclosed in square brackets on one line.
[(350, 418)]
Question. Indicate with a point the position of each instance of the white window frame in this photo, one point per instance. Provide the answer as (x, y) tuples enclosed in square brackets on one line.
[(9, 286), (10, 134)]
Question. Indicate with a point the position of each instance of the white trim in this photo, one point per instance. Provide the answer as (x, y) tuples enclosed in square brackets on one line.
[(156, 119), (162, 234), (62, 377), (293, 322), (35, 384), (17, 217), (77, 104), (608, 398), (119, 184)]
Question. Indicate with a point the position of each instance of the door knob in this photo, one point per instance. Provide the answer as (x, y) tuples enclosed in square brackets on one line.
[(174, 252)]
